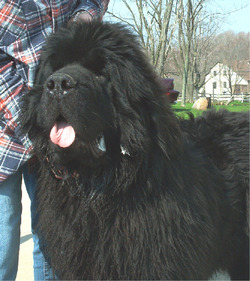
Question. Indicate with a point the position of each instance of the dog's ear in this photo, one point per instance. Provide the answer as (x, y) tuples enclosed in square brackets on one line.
[(144, 112)]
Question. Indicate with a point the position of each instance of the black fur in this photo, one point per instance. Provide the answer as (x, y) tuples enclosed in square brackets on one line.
[(173, 206)]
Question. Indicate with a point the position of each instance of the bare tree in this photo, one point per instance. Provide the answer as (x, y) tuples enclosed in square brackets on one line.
[(184, 28), (203, 52), (153, 21), (190, 19), (194, 49)]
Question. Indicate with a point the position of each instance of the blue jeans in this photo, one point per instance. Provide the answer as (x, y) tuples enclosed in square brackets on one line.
[(10, 220)]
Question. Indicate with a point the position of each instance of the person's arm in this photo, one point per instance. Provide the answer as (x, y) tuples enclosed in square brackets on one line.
[(12, 87), (11, 83), (86, 10)]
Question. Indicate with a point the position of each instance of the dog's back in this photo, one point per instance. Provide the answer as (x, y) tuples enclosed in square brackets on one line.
[(224, 138)]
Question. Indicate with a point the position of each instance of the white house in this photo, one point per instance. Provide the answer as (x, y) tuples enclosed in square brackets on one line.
[(223, 80)]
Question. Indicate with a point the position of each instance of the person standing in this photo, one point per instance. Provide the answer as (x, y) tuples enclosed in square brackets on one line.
[(24, 27)]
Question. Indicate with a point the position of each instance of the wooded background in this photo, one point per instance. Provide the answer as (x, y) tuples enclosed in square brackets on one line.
[(183, 39)]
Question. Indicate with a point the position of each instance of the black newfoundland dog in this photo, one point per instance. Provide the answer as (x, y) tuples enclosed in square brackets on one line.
[(126, 190)]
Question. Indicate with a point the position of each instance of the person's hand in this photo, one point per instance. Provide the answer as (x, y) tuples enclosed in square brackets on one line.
[(81, 16)]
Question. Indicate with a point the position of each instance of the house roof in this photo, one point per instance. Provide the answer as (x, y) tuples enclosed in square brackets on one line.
[(242, 68)]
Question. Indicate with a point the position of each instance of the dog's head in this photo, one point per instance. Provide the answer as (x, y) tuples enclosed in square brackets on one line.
[(96, 98)]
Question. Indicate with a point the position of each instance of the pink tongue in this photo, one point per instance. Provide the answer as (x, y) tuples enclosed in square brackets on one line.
[(62, 134)]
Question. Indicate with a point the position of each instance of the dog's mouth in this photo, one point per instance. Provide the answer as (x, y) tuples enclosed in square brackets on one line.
[(63, 135)]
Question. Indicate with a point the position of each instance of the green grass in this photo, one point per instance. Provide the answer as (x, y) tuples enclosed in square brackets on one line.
[(233, 107)]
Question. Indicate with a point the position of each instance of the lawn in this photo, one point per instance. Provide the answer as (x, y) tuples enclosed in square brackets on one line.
[(234, 106)]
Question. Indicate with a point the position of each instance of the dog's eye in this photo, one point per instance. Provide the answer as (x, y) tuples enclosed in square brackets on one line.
[(100, 78)]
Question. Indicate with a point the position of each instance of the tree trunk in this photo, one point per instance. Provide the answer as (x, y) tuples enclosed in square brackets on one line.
[(185, 80)]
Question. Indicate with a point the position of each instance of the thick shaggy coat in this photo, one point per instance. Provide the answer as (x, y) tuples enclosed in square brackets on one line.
[(126, 190)]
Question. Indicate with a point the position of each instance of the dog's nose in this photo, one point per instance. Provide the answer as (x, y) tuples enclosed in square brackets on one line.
[(59, 84)]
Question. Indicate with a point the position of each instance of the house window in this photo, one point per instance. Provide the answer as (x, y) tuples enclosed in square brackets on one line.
[(237, 89), (225, 84), (225, 73), (214, 85), (215, 73)]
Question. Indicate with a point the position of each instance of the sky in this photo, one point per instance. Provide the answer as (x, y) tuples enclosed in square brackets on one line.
[(237, 13), (239, 19)]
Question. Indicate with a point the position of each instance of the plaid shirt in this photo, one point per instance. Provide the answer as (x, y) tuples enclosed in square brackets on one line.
[(24, 27)]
